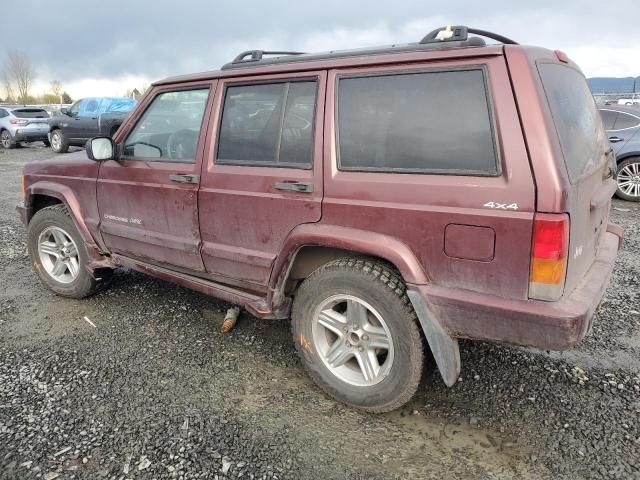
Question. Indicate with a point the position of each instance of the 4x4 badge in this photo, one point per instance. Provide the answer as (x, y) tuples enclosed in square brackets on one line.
[(501, 206)]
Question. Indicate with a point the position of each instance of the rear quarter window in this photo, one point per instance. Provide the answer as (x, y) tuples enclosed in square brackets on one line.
[(577, 121), (417, 122)]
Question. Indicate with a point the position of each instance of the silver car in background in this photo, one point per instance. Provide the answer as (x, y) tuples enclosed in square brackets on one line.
[(23, 124)]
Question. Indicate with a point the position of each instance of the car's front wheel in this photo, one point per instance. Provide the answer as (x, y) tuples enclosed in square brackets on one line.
[(59, 256), (357, 335), (59, 143), (628, 179), (5, 140)]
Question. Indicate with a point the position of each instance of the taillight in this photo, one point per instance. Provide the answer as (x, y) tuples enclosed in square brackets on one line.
[(15, 121), (549, 256)]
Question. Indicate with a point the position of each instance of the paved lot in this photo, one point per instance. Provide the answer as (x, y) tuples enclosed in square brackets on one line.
[(155, 391)]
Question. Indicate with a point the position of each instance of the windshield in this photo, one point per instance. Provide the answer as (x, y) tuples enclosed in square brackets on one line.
[(578, 123)]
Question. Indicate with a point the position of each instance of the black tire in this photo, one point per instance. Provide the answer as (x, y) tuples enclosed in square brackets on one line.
[(59, 142), (631, 167), (6, 141), (84, 284), (383, 289)]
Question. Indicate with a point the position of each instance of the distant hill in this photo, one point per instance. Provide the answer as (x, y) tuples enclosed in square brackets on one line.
[(613, 84)]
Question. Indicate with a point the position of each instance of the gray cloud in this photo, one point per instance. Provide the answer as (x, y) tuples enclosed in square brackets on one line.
[(88, 39)]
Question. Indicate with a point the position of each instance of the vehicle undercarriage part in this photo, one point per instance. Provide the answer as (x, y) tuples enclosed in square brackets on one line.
[(230, 319), (443, 346)]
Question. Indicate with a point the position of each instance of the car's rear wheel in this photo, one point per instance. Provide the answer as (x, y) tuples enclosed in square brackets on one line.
[(628, 179), (59, 143), (59, 256), (357, 335), (5, 140)]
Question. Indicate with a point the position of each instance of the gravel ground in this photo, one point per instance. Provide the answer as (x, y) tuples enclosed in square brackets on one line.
[(155, 391)]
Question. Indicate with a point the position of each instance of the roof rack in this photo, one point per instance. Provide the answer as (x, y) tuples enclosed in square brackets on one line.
[(460, 33), (444, 37), (256, 55)]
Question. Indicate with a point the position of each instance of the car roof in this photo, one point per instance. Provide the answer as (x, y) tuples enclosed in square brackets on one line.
[(360, 57), (441, 43)]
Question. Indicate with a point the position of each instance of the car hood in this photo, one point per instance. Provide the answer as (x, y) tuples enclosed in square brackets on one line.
[(75, 164)]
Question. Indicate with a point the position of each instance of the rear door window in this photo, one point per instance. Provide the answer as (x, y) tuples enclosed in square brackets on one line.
[(423, 122), (577, 121), (268, 125)]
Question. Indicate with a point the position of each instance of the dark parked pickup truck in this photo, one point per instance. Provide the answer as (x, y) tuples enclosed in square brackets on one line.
[(87, 118), (386, 200)]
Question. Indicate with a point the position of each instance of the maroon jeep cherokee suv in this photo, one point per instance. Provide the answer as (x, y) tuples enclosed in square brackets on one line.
[(386, 200)]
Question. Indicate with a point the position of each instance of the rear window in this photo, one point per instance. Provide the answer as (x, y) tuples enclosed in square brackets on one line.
[(422, 122), (30, 113), (578, 123)]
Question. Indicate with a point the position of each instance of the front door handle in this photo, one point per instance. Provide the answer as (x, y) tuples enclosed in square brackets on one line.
[(180, 178), (615, 139), (293, 186)]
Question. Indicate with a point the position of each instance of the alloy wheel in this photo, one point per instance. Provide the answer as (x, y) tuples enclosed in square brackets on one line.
[(5, 139), (55, 140), (629, 180), (58, 254), (352, 340)]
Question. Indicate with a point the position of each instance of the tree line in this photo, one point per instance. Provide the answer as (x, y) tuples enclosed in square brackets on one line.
[(17, 78), (18, 75)]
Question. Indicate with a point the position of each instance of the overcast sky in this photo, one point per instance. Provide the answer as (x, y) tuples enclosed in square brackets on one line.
[(104, 48)]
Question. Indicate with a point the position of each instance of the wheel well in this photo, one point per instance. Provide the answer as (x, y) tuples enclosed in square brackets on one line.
[(309, 258), (38, 202)]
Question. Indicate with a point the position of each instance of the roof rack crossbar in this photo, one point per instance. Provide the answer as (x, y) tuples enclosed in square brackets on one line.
[(461, 33), (256, 55)]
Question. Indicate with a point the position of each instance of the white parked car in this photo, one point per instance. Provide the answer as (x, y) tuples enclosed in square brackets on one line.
[(633, 100)]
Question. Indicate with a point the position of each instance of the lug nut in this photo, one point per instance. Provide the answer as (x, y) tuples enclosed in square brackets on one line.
[(360, 349), (365, 337)]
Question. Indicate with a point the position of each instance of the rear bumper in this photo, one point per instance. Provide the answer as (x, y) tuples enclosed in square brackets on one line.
[(546, 325), (30, 136)]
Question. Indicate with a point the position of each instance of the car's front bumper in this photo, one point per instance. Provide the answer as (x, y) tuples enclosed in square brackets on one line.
[(546, 325)]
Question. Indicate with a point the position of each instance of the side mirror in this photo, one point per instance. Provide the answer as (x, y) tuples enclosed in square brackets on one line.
[(65, 111), (100, 148)]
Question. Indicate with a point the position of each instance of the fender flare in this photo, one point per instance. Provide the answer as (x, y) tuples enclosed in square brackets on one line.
[(625, 155), (346, 238), (66, 196), (443, 346)]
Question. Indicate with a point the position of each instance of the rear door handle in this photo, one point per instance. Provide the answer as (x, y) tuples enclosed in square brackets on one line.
[(180, 178), (293, 186), (615, 139)]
